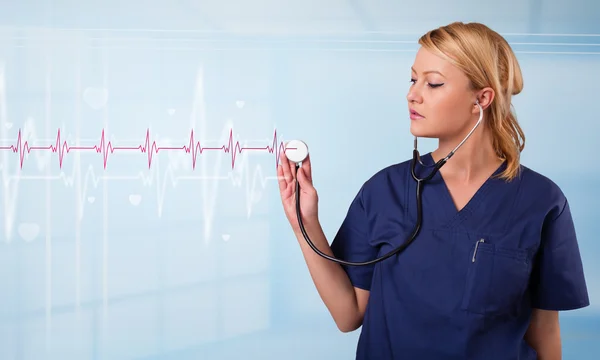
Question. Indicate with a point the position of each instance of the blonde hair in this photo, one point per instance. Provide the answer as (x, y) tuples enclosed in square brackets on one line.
[(488, 61)]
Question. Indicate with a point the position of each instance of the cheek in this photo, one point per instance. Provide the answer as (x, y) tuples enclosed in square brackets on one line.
[(446, 109), (442, 112), (443, 99)]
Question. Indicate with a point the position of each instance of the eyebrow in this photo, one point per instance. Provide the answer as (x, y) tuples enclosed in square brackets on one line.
[(428, 71)]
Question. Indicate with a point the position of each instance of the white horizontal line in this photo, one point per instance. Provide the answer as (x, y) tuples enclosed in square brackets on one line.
[(555, 44), (234, 32), (291, 41), (314, 49), (549, 34), (560, 52)]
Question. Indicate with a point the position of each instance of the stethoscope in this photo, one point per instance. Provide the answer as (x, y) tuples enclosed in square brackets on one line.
[(298, 151)]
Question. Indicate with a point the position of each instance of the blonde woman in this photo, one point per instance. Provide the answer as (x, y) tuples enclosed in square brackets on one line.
[(496, 256)]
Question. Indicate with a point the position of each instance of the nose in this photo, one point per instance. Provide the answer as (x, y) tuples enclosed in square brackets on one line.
[(413, 95)]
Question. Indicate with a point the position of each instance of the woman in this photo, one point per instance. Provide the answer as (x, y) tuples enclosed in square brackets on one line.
[(497, 255)]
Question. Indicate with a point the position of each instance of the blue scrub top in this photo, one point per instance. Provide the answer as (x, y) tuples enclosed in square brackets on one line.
[(465, 288)]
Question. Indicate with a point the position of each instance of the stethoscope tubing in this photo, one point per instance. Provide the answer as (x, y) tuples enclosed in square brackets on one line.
[(420, 181)]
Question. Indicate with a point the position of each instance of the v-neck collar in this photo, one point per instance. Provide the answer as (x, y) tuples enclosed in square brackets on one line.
[(453, 216)]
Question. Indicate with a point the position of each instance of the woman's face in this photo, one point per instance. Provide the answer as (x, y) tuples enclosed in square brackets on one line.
[(441, 101)]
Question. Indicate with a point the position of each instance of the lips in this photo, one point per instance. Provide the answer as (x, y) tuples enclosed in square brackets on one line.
[(415, 115)]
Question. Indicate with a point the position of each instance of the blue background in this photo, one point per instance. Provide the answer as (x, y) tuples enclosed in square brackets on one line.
[(170, 261)]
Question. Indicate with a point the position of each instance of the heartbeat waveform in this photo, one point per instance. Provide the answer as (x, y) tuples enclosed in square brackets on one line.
[(28, 142), (149, 147)]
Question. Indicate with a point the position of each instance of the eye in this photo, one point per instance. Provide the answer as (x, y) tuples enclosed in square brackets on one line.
[(433, 86)]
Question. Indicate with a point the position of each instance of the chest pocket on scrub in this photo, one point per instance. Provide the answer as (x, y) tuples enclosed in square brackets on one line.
[(497, 278)]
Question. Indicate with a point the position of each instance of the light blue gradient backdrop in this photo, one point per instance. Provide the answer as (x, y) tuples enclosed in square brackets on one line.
[(205, 265)]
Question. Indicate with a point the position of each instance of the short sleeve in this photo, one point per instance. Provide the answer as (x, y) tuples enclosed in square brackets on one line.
[(558, 281), (351, 243)]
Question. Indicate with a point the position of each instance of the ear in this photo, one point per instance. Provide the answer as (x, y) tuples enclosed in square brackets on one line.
[(485, 97)]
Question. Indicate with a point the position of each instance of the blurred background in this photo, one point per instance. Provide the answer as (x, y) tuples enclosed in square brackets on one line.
[(132, 226)]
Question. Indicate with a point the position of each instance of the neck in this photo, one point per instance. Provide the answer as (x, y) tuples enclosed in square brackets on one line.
[(473, 159)]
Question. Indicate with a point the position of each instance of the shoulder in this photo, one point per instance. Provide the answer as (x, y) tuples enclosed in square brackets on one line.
[(391, 176), (385, 187), (539, 183), (538, 188), (394, 171)]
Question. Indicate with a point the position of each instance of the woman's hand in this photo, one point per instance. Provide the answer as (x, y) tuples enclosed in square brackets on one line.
[(287, 175)]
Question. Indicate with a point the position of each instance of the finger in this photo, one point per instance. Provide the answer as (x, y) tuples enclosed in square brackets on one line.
[(281, 179), (305, 184), (306, 165), (285, 165), (302, 177), (289, 167), (293, 169)]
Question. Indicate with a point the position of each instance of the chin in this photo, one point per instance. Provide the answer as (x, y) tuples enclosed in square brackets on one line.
[(423, 132)]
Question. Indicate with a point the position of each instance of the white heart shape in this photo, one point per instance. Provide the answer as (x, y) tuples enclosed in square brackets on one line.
[(91, 199), (135, 199), (29, 231), (240, 103), (226, 237), (96, 98), (9, 125)]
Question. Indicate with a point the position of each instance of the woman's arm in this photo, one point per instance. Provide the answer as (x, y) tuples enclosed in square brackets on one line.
[(345, 303), (543, 334)]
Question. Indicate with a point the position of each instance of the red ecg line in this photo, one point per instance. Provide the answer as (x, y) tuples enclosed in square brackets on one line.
[(149, 148)]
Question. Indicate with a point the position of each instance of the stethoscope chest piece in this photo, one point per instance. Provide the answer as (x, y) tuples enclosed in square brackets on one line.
[(296, 151)]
